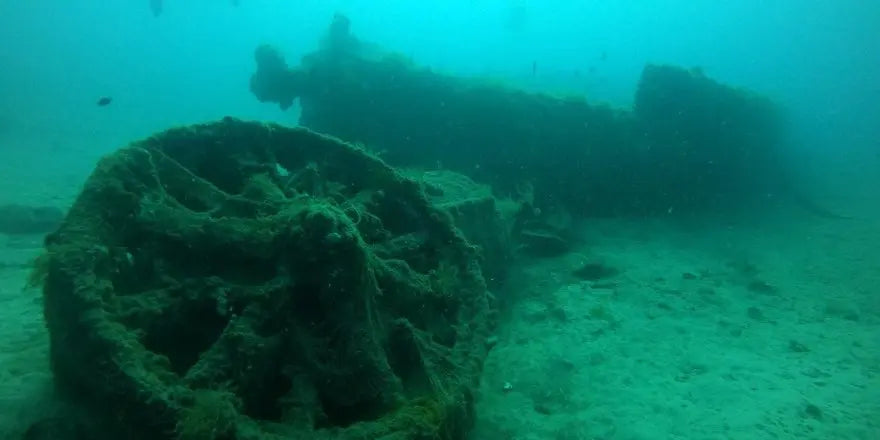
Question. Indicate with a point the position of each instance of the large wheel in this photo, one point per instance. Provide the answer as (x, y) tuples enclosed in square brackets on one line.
[(237, 280)]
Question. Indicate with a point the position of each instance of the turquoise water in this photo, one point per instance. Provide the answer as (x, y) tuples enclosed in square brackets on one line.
[(756, 322)]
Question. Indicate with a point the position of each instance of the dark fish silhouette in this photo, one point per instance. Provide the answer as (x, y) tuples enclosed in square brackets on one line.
[(105, 101), (156, 7)]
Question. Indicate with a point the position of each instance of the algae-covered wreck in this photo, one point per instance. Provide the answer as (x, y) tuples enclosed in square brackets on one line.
[(689, 142), (244, 281)]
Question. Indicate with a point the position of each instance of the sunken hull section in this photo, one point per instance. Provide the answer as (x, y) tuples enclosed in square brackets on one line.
[(688, 143), (244, 281)]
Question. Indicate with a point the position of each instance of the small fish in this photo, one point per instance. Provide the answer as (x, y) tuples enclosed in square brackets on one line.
[(105, 101)]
